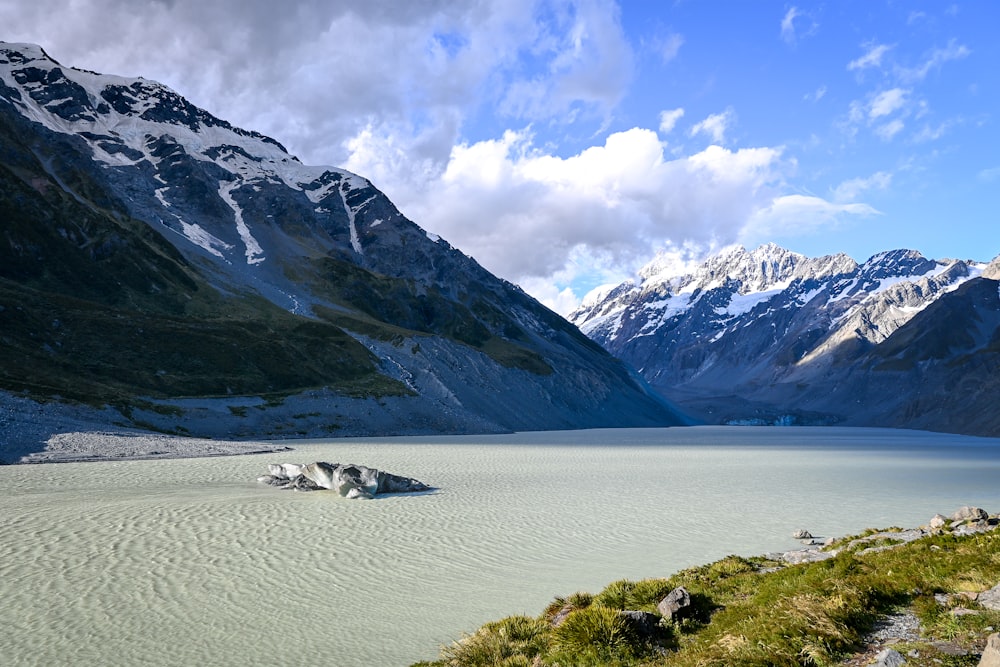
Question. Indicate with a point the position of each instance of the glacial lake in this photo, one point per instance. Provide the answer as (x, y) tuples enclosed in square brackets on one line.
[(186, 562)]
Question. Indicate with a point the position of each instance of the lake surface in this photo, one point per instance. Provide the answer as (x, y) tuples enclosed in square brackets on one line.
[(194, 562)]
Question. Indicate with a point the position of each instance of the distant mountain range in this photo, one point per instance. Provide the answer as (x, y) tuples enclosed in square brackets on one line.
[(158, 259), (769, 336)]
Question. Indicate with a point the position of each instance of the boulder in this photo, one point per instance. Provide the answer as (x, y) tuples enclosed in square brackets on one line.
[(991, 653), (990, 599), (675, 605), (889, 658), (644, 624), (802, 534), (938, 521), (348, 480), (970, 513)]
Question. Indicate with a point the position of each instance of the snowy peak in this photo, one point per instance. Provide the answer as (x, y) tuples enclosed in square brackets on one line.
[(762, 334), (223, 195)]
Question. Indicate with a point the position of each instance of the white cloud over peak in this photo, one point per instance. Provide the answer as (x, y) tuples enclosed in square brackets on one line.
[(530, 216), (798, 215)]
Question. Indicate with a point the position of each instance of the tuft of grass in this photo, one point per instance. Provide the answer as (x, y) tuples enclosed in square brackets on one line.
[(595, 635), (511, 642)]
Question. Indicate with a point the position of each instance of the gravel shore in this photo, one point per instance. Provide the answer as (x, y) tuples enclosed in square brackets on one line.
[(32, 432)]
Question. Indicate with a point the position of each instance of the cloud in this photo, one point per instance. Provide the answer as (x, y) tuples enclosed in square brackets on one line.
[(850, 190), (668, 120), (816, 95), (871, 58), (788, 24), (670, 46), (528, 215), (887, 131), (581, 57), (418, 70), (991, 175), (392, 91), (715, 126), (929, 133), (934, 60), (789, 32), (887, 102), (797, 215)]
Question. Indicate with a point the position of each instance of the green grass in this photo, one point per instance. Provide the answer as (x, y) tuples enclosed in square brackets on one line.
[(746, 613)]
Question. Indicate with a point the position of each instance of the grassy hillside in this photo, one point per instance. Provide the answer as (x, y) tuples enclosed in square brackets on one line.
[(759, 612)]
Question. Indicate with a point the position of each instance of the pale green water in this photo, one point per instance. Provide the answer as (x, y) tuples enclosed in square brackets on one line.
[(192, 562)]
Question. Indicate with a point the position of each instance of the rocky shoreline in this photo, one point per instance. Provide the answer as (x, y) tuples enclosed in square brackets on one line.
[(32, 432)]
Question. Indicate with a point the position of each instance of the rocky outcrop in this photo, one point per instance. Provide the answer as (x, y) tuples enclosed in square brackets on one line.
[(965, 521), (348, 480), (991, 654)]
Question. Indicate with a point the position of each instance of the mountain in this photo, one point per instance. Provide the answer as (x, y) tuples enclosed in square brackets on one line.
[(200, 279), (772, 336)]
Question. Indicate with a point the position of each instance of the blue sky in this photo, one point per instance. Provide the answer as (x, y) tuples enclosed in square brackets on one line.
[(564, 143)]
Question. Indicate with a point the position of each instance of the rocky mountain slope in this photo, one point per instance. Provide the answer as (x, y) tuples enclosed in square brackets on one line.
[(771, 336), (198, 278)]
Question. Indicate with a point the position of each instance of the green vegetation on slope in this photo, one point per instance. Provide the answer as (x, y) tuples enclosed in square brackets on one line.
[(756, 612)]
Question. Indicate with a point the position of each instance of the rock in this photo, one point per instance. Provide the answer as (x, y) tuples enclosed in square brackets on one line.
[(805, 556), (674, 604), (802, 534), (991, 653), (990, 599), (349, 481), (938, 521), (968, 512), (643, 623), (889, 658)]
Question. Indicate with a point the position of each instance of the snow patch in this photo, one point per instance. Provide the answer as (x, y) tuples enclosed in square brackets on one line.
[(254, 253), (197, 235)]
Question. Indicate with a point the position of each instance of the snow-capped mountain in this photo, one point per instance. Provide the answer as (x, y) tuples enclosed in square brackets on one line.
[(769, 335), (151, 252)]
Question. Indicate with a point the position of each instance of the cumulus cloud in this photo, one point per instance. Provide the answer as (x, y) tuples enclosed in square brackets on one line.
[(715, 126), (342, 68), (530, 214), (388, 89)]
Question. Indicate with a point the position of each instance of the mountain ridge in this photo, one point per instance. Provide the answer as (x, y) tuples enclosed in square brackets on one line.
[(152, 252), (771, 336)]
